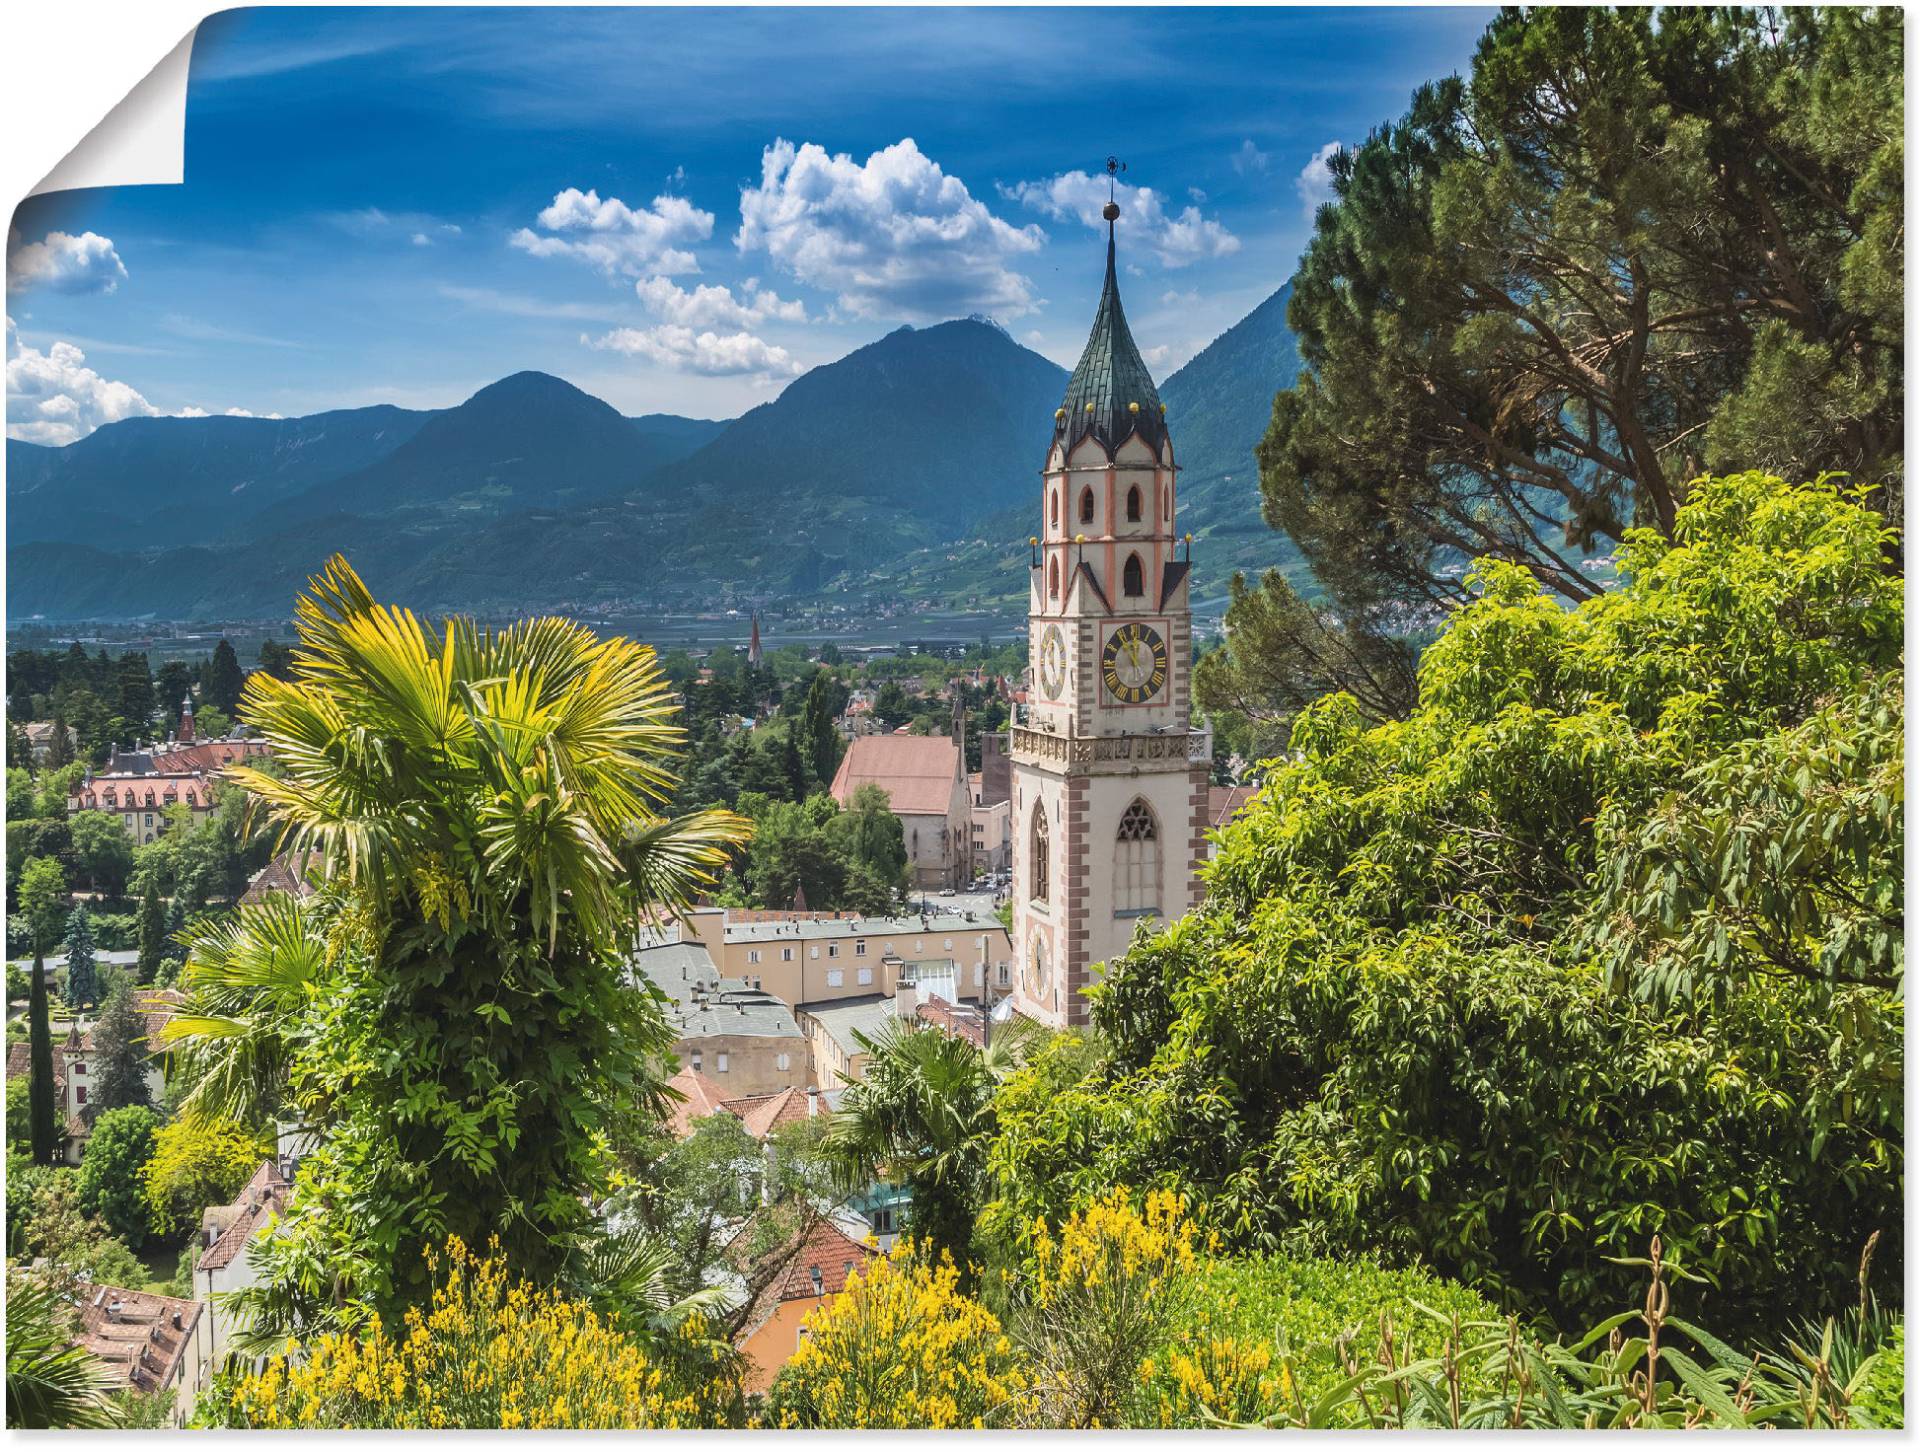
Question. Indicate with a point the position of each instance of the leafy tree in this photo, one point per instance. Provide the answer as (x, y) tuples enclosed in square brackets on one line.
[(116, 1156), (922, 1115), (20, 793), (40, 1068), (1458, 992), (826, 698), (120, 1054), (210, 722), (19, 749), (872, 837), (792, 853), (19, 1113), (152, 930), (196, 1162), (83, 979), (172, 684), (276, 659), (490, 860), (54, 786), (224, 678), (891, 705), (1524, 332), (79, 1249), (60, 747), (688, 1192), (43, 900), (102, 851)]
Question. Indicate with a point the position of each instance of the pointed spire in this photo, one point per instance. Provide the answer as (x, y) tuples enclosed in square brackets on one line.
[(1111, 393), (753, 642)]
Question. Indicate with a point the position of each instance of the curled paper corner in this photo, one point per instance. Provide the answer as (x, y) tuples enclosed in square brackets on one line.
[(141, 142)]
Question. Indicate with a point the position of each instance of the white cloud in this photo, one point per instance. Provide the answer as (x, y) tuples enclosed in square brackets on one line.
[(1172, 299), (421, 239), (1175, 239), (1315, 182), (708, 353), (714, 306), (421, 229), (54, 398), (1195, 194), (64, 263), (1250, 158), (892, 237), (615, 237)]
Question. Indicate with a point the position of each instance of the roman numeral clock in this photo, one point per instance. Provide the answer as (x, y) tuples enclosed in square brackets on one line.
[(1109, 772), (1133, 666)]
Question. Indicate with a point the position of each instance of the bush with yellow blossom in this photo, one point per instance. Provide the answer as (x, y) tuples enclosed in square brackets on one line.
[(490, 1351), (902, 1346)]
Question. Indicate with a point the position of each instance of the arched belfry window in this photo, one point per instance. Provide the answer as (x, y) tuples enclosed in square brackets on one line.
[(1166, 501), (1053, 497), (1136, 863), (1041, 866), (1086, 506), (1053, 579), (1133, 505), (1131, 582)]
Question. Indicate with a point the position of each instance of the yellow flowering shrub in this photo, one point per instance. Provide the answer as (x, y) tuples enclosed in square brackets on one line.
[(489, 1351), (902, 1346)]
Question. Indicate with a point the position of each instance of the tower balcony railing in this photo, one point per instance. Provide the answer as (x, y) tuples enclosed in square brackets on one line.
[(1192, 745)]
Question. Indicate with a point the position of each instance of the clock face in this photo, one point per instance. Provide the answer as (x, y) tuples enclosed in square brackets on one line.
[(1039, 974), (1053, 663), (1134, 664)]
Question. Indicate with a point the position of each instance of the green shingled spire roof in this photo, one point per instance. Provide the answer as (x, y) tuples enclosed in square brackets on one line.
[(1111, 376)]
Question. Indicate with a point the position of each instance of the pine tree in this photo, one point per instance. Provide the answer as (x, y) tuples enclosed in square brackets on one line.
[(60, 748), (120, 1053), (83, 979), (153, 934), (823, 740), (40, 1090), (172, 954), (225, 678)]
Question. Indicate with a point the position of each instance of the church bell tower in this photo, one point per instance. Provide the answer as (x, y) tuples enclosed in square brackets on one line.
[(1109, 775)]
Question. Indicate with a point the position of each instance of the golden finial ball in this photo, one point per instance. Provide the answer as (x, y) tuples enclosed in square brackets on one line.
[(1110, 211), (1189, 539), (1163, 409), (1133, 408), (1059, 413), (1089, 405), (1079, 539), (1033, 539)]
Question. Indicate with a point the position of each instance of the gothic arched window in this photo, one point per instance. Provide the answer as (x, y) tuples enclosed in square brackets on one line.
[(1131, 582), (1039, 854), (1053, 579), (1136, 863), (1166, 501), (1133, 505), (1086, 506), (1053, 496)]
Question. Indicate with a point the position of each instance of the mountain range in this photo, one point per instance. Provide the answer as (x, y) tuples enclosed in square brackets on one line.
[(907, 468)]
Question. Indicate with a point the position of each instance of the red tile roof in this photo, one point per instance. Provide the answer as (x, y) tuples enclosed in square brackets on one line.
[(210, 756), (955, 1023), (762, 1114), (918, 773), (286, 873), (264, 1197), (1226, 803), (141, 1337), (701, 1097), (148, 792)]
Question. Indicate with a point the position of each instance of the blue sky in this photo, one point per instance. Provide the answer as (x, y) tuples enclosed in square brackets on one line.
[(679, 210)]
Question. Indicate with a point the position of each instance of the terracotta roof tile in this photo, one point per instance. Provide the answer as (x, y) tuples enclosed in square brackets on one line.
[(1226, 803), (264, 1197), (762, 1114), (141, 1337), (286, 873), (918, 773), (702, 1097)]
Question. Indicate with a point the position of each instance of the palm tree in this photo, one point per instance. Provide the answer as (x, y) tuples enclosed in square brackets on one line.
[(486, 812), (922, 1115), (50, 1381), (249, 980)]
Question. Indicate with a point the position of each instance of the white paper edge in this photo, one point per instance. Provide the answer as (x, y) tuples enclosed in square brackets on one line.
[(141, 142)]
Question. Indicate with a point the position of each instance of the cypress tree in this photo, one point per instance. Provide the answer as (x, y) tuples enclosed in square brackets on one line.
[(83, 980), (120, 1053), (225, 678), (40, 1090), (60, 748), (153, 934)]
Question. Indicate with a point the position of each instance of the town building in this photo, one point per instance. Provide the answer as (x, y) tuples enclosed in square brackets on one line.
[(141, 798), (227, 1232), (40, 741), (728, 1030), (785, 1286), (1109, 773), (814, 957), (146, 1343), (992, 826), (291, 874), (925, 780)]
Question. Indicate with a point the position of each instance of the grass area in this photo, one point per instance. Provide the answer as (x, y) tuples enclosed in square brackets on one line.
[(162, 1261)]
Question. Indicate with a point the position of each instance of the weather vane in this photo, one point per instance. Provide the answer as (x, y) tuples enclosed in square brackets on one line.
[(1114, 167)]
